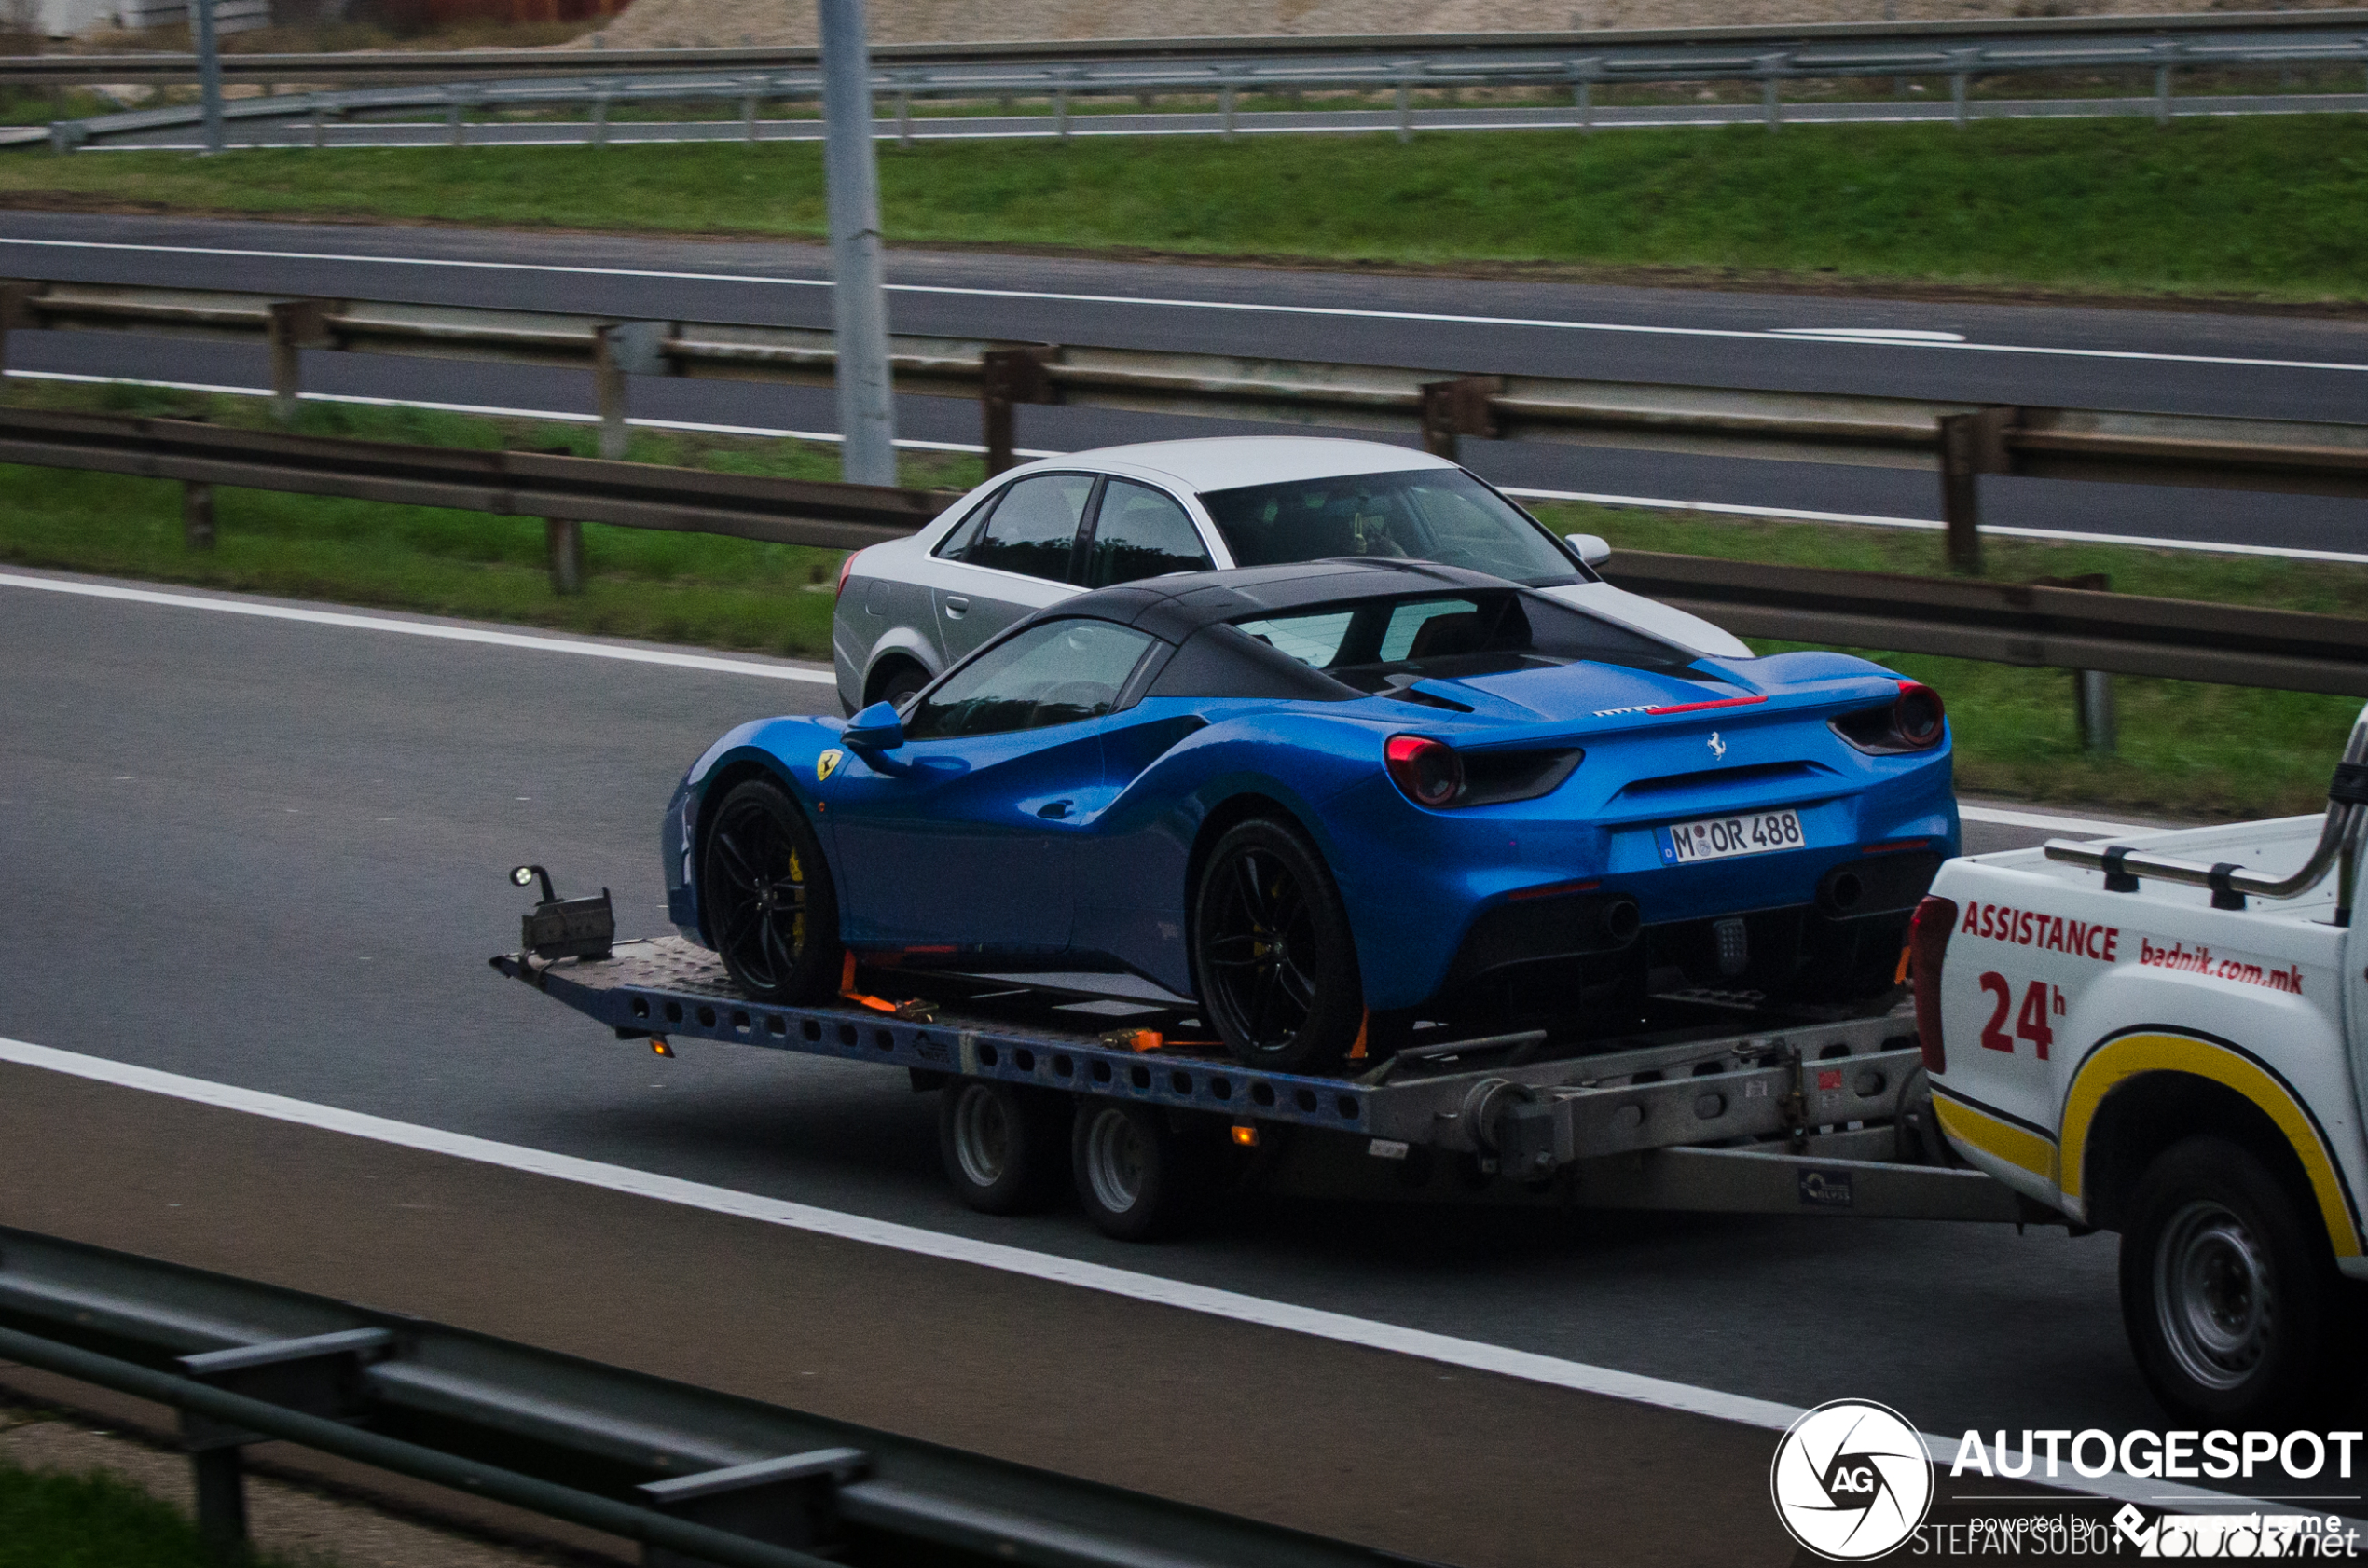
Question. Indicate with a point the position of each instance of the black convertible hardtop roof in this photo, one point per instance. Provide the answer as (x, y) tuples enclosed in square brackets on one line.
[(1174, 608)]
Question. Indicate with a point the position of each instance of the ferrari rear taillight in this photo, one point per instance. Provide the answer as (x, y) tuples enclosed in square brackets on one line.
[(845, 567), (1927, 945), (1428, 771), (1918, 716), (1914, 720)]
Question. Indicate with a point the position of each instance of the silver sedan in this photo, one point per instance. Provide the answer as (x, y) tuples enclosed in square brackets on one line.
[(1032, 537)]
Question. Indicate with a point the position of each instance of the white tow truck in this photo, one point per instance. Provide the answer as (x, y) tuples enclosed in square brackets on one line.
[(2162, 1037)]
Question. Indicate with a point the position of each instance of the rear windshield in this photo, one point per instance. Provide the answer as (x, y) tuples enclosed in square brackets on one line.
[(1440, 515), (1379, 643)]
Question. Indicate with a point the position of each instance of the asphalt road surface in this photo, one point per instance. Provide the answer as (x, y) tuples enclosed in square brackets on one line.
[(271, 853), (2290, 367)]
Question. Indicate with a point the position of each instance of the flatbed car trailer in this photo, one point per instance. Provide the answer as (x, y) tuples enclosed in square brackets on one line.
[(1828, 1116)]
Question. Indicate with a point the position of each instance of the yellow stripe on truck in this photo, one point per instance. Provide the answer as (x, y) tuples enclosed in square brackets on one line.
[(2019, 1146), (2114, 1064)]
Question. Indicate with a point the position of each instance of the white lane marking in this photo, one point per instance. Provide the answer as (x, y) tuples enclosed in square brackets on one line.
[(421, 629), (1636, 328), (2085, 825), (1871, 334), (1660, 503), (1477, 1356)]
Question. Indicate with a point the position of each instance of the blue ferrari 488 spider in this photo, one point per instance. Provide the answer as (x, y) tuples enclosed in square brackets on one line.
[(1328, 800)]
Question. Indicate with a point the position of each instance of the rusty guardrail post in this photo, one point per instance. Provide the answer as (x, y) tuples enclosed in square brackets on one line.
[(220, 1480), (1458, 408), (564, 539), (1008, 377), (2093, 716), (609, 393), (2093, 711), (16, 312), (622, 348), (1971, 445), (297, 324), (197, 515)]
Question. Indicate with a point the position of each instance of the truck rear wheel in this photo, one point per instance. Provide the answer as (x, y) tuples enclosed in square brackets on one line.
[(1135, 1175), (1003, 1147), (2232, 1305)]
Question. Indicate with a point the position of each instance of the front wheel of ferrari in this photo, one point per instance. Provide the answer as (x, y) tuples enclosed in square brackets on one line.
[(1272, 952), (770, 906)]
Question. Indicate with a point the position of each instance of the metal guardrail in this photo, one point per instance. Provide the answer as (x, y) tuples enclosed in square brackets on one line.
[(1956, 441), (2011, 622), (2000, 623), (458, 85), (1445, 48), (696, 1476), (573, 489)]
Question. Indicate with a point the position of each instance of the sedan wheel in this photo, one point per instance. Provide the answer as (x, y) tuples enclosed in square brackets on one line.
[(770, 906)]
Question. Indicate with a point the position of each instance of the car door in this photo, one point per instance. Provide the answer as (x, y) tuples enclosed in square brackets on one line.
[(1017, 558), (1136, 531), (967, 837)]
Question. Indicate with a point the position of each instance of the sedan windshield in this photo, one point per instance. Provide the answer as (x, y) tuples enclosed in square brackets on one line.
[(1440, 515)]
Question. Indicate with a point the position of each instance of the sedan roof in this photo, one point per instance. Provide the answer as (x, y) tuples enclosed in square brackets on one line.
[(1229, 463), (1177, 606)]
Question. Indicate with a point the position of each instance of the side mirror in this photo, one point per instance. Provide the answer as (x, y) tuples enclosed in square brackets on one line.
[(875, 729), (1591, 549)]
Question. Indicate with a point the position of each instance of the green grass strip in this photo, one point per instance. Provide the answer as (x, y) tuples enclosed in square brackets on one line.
[(2215, 751), (2273, 207), (49, 1520)]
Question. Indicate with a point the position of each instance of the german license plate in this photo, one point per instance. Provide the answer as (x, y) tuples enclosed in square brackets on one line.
[(1722, 838)]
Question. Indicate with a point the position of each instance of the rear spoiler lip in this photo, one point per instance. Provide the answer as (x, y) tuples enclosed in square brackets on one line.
[(1646, 722)]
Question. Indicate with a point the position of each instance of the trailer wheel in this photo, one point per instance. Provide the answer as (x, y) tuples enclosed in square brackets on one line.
[(1271, 953), (1135, 1175), (1003, 1145), (770, 906), (2233, 1310)]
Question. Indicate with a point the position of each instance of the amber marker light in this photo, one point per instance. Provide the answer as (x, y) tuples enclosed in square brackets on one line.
[(1245, 1134)]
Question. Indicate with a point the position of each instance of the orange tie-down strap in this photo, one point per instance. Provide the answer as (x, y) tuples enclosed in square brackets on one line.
[(915, 1010), (1151, 1039)]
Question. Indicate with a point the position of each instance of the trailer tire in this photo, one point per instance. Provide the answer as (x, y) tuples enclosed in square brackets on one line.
[(1136, 1177), (1005, 1147), (2230, 1298), (1273, 958), (767, 897)]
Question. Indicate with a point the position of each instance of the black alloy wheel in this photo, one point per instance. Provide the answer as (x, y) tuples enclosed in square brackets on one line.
[(1272, 951), (770, 907)]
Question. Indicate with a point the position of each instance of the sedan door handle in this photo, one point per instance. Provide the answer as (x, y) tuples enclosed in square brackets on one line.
[(955, 605), (1055, 810)]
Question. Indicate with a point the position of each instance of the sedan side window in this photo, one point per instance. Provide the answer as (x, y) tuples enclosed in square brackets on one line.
[(1033, 527), (1058, 673), (1142, 533)]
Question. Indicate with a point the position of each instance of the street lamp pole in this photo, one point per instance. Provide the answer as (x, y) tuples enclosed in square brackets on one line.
[(867, 414), (209, 72)]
